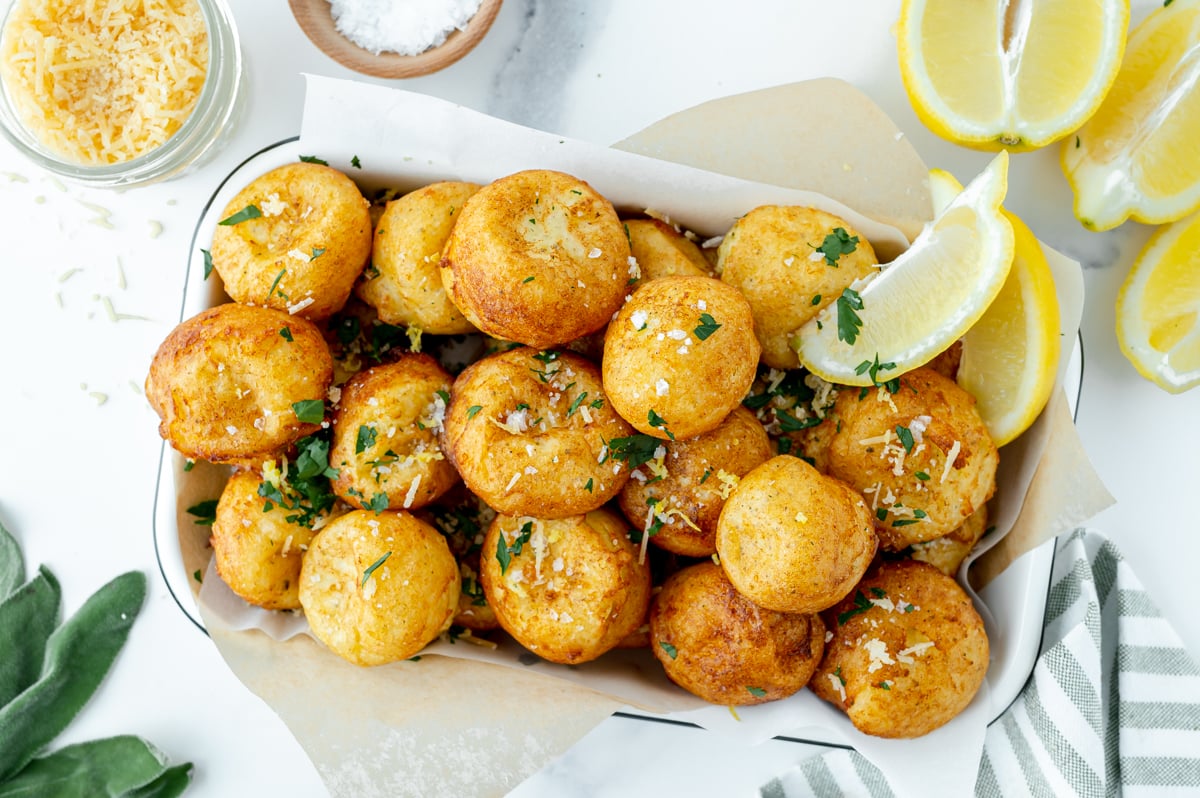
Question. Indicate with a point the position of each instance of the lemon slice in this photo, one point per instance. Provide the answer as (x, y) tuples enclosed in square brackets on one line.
[(1017, 74), (1137, 156), (1158, 309), (924, 300), (1010, 356)]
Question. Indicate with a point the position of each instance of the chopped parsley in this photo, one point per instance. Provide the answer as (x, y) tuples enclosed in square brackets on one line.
[(658, 422), (886, 685), (378, 503), (921, 475), (357, 164), (881, 513), (205, 512), (872, 369), (836, 244), (849, 322), (189, 465), (313, 159), (596, 405), (816, 300), (707, 474), (275, 284), (505, 552), (575, 405), (373, 567), (635, 450), (316, 253), (588, 486), (785, 447), (838, 674), (249, 212), (286, 334), (208, 264), (899, 522), (306, 482), (708, 326), (528, 279), (309, 411), (789, 423), (365, 439), (906, 438), (757, 692), (861, 605), (878, 592), (670, 650), (196, 575), (473, 409)]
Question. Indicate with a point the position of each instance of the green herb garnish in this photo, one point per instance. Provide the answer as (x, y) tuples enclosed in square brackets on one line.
[(249, 212), (670, 650), (861, 604), (872, 369), (906, 438), (374, 567), (921, 475), (789, 423), (316, 253), (588, 486), (357, 164), (313, 159), (836, 244), (528, 279), (208, 264), (635, 450), (816, 300), (505, 552), (365, 439), (473, 409), (286, 334), (708, 326), (848, 321), (658, 422), (757, 692), (309, 411), (275, 284), (205, 512)]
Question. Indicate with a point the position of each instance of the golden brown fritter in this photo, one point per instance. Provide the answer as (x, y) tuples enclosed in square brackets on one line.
[(226, 383), (715, 643), (908, 651), (306, 241)]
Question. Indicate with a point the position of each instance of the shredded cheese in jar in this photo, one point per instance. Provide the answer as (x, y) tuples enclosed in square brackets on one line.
[(100, 82)]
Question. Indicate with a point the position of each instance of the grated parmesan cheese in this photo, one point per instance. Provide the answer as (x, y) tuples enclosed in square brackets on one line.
[(103, 81)]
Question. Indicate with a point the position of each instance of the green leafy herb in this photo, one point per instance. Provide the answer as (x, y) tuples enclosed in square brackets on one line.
[(306, 491), (309, 411), (205, 512), (757, 692), (872, 368), (357, 164), (909, 608), (878, 592), (313, 159), (816, 300), (505, 552), (861, 604), (628, 238), (529, 279), (921, 475), (886, 685), (906, 438), (789, 423), (189, 465), (836, 244), (899, 522), (597, 405), (838, 674), (275, 284), (849, 322), (316, 253), (208, 264), (378, 503), (881, 513), (249, 212), (919, 513), (658, 422), (588, 486), (670, 650), (473, 409), (784, 445), (286, 334), (373, 567), (636, 450), (707, 474), (708, 326), (197, 576), (575, 405), (365, 439)]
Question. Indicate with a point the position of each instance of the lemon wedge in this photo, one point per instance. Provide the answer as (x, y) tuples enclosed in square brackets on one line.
[(1137, 157), (1016, 74), (1158, 308), (1010, 356), (904, 315)]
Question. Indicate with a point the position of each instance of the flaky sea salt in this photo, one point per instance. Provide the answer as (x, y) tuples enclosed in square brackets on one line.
[(408, 28)]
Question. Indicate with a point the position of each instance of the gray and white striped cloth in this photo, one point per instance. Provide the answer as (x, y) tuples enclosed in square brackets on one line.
[(1112, 707)]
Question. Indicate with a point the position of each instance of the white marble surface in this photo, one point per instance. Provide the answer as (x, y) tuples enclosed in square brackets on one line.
[(76, 478)]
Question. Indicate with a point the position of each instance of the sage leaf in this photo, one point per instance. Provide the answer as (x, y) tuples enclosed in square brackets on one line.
[(27, 618), (78, 656), (12, 564), (97, 769), (170, 784)]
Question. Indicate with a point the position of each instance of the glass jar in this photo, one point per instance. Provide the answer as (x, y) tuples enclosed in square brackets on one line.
[(210, 120)]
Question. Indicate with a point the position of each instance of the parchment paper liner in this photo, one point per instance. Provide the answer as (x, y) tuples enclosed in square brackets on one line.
[(463, 724)]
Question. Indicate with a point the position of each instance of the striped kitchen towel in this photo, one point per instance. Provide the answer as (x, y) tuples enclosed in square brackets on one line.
[(1112, 707)]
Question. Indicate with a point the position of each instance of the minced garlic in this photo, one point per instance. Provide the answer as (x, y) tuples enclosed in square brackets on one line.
[(104, 81)]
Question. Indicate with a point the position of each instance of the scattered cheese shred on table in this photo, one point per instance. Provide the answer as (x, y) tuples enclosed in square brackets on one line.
[(104, 81)]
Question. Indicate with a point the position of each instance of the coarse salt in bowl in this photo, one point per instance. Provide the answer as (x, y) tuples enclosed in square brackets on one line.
[(112, 93)]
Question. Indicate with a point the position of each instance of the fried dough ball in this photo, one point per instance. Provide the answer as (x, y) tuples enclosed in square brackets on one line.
[(528, 431), (224, 382), (793, 540), (662, 251), (908, 651), (537, 257), (682, 491), (948, 552), (385, 436), (304, 249), (463, 518), (715, 643), (771, 256), (568, 589), (407, 254), (679, 356), (921, 456), (377, 588)]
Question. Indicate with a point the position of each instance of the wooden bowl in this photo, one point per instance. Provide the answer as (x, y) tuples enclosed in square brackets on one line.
[(315, 18)]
